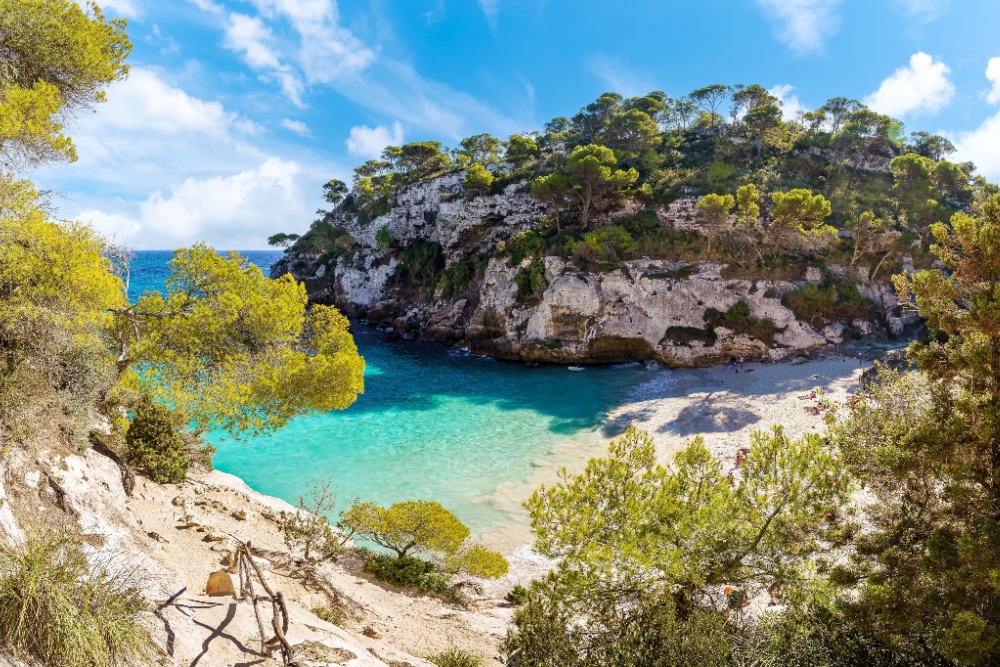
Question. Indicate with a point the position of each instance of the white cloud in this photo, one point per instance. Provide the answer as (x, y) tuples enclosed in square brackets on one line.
[(300, 43), (296, 126), (790, 105), (804, 25), (250, 37), (247, 35), (161, 168), (227, 212), (145, 104), (993, 74), (320, 50), (130, 9), (368, 142), (491, 8), (924, 85), (618, 76), (928, 10), (980, 146)]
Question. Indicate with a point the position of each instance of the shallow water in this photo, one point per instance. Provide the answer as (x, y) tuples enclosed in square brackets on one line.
[(434, 423)]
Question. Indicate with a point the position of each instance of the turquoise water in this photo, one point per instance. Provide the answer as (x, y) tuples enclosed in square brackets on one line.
[(434, 423)]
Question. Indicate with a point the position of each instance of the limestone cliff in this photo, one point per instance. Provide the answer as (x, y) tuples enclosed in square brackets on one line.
[(641, 309)]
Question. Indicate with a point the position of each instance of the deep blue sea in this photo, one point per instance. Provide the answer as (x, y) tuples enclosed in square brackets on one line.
[(434, 422)]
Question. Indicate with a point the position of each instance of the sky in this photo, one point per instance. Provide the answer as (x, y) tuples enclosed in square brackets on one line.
[(235, 112)]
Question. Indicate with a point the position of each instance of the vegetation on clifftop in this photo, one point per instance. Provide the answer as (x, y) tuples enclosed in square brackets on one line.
[(838, 185)]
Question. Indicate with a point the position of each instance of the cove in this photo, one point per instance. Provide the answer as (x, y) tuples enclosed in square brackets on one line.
[(434, 423)]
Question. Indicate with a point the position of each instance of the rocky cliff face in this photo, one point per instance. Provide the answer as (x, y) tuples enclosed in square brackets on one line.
[(642, 310)]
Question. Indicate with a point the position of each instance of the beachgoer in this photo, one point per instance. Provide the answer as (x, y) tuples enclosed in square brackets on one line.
[(741, 361)]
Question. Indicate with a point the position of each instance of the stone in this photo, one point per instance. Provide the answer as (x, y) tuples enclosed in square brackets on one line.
[(220, 583), (814, 275), (863, 326), (214, 537), (834, 333)]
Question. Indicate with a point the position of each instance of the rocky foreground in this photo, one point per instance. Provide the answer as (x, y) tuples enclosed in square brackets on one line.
[(180, 541)]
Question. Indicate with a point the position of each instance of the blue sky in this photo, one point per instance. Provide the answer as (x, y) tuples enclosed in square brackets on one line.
[(236, 111)]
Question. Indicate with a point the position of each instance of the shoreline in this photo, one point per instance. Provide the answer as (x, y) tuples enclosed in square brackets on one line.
[(673, 406), (723, 406)]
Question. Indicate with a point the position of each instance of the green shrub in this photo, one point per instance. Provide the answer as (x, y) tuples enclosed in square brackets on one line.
[(841, 302), (525, 245), (811, 301), (332, 615), (531, 282), (383, 239), (437, 582), (517, 595), (411, 572), (460, 276), (737, 318), (59, 611), (457, 657), (420, 267), (403, 572), (720, 171), (607, 244), (154, 444), (478, 179)]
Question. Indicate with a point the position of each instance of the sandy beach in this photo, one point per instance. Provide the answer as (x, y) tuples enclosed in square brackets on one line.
[(725, 406)]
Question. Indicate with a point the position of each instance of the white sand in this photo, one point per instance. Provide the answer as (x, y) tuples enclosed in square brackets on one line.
[(726, 406)]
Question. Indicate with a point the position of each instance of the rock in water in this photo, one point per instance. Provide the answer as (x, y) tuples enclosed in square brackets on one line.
[(219, 583)]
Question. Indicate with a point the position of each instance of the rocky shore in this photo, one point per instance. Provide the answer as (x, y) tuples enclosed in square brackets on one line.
[(638, 310)]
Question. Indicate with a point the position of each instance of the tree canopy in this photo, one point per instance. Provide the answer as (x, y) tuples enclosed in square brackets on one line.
[(230, 348), (56, 58)]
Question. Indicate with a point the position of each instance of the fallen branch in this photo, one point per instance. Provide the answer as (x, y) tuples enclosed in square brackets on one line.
[(248, 571)]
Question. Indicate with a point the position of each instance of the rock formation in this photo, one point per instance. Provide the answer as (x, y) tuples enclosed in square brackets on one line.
[(641, 309)]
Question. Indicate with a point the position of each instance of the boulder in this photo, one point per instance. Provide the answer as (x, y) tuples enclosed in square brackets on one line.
[(834, 333), (220, 583)]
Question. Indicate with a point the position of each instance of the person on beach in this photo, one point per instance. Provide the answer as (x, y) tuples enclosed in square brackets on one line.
[(741, 362)]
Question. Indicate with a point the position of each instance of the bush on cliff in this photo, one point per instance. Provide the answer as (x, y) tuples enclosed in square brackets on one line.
[(154, 444)]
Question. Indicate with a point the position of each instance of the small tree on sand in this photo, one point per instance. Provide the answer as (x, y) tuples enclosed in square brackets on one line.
[(423, 525)]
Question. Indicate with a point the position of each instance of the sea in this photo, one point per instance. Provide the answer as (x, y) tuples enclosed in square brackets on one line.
[(434, 422)]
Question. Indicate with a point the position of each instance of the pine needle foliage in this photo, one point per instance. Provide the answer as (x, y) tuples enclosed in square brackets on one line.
[(155, 444)]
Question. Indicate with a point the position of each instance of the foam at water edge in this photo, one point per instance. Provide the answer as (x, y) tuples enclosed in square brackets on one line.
[(659, 387)]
